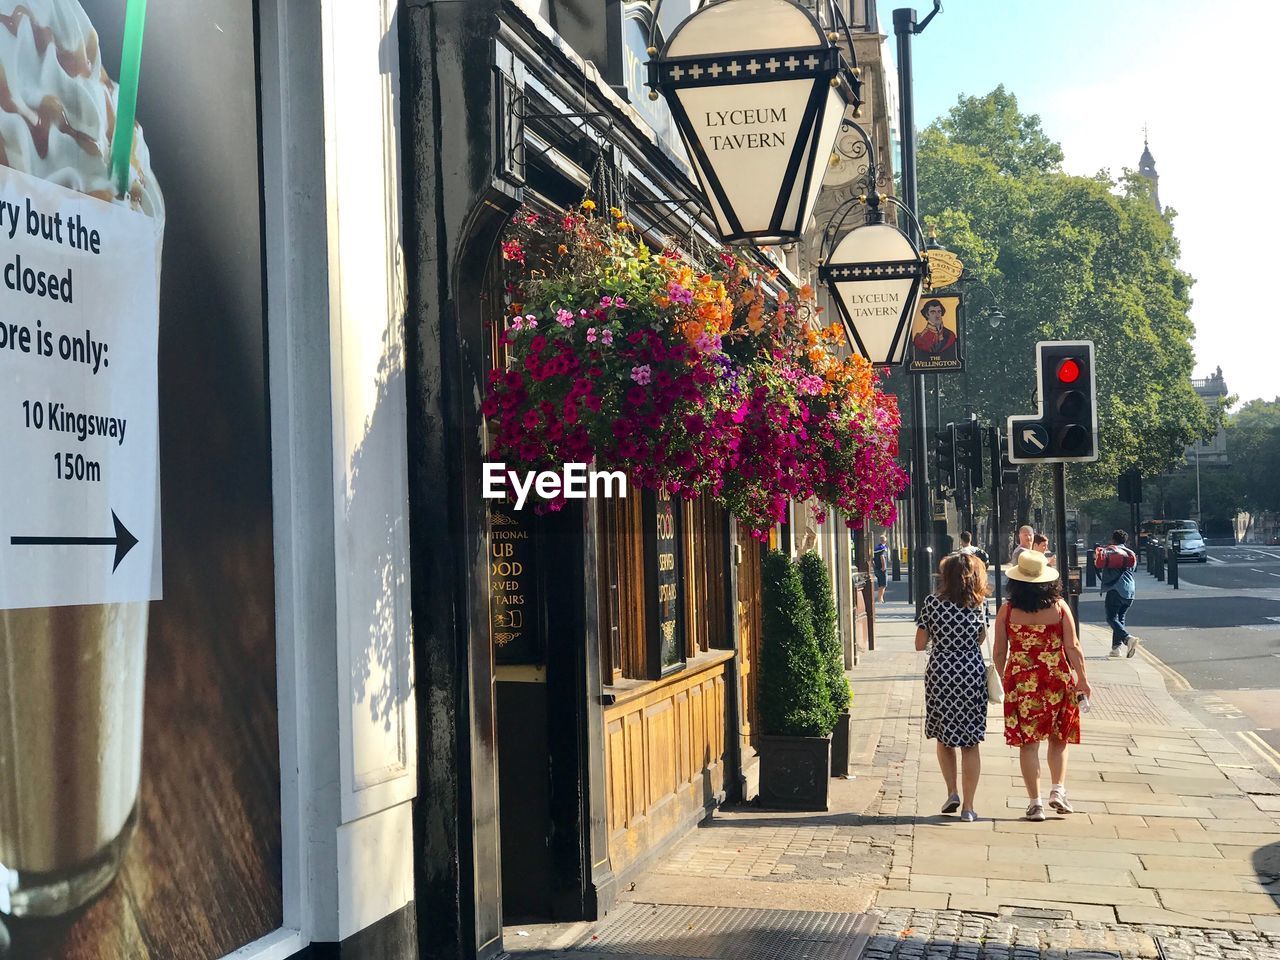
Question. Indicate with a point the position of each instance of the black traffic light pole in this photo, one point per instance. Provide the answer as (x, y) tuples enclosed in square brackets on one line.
[(904, 28), (997, 479), (1060, 531)]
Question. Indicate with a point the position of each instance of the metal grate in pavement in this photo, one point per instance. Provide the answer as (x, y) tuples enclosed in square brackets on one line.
[(743, 933), (1126, 703)]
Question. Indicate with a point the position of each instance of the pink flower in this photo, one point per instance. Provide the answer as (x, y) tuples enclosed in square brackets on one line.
[(531, 321), (606, 302), (591, 334), (606, 337), (564, 318), (641, 374), (620, 304), (517, 323)]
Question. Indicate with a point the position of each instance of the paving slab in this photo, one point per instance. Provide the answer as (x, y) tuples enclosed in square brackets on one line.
[(1067, 893), (1206, 903), (1084, 871), (1183, 880), (1152, 916)]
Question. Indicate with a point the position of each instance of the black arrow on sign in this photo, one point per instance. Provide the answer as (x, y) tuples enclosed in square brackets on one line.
[(123, 541)]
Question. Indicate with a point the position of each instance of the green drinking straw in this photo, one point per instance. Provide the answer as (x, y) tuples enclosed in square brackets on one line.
[(127, 103)]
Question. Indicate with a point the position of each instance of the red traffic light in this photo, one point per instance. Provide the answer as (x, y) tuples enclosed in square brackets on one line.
[(1068, 371)]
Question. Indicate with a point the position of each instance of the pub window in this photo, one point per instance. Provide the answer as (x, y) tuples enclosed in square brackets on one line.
[(646, 614), (705, 545), (621, 584)]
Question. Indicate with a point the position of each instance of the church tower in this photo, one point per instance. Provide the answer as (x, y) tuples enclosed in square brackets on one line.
[(1147, 168)]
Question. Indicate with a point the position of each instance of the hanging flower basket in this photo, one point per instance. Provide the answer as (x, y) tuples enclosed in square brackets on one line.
[(687, 380)]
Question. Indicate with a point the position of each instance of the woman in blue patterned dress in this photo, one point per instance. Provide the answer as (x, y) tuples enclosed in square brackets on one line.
[(951, 626)]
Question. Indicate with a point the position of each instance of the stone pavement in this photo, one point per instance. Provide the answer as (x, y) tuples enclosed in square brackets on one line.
[(1174, 850), (1172, 825)]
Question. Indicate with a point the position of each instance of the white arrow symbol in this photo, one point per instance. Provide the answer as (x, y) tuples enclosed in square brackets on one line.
[(1031, 438)]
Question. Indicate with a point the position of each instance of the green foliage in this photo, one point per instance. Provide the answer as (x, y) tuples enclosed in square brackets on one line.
[(794, 699), (822, 604), (1253, 447), (1070, 258), (1221, 497)]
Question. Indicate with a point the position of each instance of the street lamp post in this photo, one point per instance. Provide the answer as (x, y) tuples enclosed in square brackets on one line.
[(904, 28)]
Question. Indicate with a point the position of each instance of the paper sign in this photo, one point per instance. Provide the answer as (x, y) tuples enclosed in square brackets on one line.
[(79, 322)]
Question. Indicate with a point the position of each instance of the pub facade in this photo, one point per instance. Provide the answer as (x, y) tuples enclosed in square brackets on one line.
[(370, 712), (587, 678)]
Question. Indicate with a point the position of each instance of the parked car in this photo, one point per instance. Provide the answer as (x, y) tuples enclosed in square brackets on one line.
[(1189, 544)]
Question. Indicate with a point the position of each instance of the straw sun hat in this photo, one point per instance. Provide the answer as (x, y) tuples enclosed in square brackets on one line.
[(1032, 567)]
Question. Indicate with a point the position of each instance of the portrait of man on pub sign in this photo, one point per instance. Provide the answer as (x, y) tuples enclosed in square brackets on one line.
[(935, 336)]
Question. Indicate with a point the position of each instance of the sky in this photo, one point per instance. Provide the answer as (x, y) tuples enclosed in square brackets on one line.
[(1199, 75)]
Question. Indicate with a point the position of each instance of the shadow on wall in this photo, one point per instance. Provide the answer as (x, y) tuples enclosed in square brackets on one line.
[(376, 502), (382, 677)]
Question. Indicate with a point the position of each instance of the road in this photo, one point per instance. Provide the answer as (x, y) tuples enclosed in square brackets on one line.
[(1220, 632)]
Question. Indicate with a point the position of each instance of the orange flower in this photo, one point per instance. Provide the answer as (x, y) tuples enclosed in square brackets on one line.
[(588, 205), (692, 330), (562, 249), (755, 316), (805, 292)]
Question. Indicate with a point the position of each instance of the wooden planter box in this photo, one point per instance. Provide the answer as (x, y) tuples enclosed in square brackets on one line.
[(840, 737), (795, 772)]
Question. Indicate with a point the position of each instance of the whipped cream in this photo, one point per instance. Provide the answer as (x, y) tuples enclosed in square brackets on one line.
[(58, 106)]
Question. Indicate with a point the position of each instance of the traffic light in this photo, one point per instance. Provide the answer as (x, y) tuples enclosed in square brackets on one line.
[(969, 451), (1003, 473), (1066, 429), (1129, 486), (1008, 470), (946, 454)]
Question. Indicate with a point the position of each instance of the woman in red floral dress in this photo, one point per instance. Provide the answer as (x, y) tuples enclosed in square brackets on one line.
[(1038, 655)]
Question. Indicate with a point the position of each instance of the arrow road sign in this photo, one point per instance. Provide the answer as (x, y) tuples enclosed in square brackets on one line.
[(1028, 439), (123, 541)]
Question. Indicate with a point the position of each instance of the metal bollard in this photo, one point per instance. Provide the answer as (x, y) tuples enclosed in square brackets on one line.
[(897, 565), (1173, 567), (1159, 551), (1090, 571)]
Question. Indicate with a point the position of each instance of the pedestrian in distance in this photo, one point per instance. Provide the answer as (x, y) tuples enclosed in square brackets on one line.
[(880, 565), (966, 546), (1037, 652), (952, 625), (1040, 542), (1115, 565), (1026, 534)]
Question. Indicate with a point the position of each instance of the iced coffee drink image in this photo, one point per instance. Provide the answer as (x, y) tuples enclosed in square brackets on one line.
[(71, 677)]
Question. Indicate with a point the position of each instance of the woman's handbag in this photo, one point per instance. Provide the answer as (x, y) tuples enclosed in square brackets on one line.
[(995, 685)]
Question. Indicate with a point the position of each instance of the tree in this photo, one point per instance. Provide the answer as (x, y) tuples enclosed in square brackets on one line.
[(1253, 448), (1070, 258), (794, 699), (822, 605)]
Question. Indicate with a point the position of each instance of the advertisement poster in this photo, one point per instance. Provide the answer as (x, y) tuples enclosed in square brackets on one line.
[(139, 764), (936, 345)]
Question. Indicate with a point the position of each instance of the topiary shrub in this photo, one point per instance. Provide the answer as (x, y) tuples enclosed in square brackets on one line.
[(794, 701), (822, 603)]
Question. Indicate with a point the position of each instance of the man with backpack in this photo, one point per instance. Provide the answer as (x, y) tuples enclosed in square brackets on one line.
[(1115, 565), (966, 546)]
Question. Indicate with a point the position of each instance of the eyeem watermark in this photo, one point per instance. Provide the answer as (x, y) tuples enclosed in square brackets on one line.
[(573, 482)]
